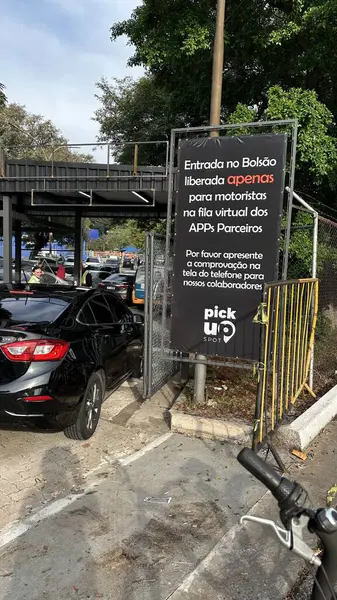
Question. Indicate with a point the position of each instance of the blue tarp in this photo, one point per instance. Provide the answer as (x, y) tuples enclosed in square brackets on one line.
[(131, 249)]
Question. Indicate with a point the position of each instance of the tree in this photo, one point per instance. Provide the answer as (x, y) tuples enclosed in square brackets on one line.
[(135, 111), (128, 234), (26, 135), (3, 98), (316, 148), (268, 42), (279, 63)]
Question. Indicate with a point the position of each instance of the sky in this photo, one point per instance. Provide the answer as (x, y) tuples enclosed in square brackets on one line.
[(54, 51)]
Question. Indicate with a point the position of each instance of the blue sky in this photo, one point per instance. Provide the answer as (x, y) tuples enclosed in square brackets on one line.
[(54, 51)]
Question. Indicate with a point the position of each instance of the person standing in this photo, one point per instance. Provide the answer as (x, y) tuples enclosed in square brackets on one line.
[(61, 272), (86, 279)]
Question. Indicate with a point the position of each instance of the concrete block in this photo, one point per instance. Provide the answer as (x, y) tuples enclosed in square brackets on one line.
[(214, 429), (307, 426)]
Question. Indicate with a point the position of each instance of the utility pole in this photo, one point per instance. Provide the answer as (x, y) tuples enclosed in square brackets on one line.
[(216, 98), (218, 63)]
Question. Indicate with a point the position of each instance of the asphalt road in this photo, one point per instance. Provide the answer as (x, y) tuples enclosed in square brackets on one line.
[(138, 532)]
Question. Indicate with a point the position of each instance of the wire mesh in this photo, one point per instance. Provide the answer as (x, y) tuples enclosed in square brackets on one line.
[(158, 369), (325, 364)]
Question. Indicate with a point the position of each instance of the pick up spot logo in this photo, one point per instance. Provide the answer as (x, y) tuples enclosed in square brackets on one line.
[(218, 324)]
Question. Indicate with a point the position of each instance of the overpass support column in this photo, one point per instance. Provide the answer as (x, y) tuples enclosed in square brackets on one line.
[(78, 249), (18, 242), (7, 220)]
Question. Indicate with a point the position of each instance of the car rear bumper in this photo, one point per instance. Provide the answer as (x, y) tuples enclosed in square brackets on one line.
[(26, 404)]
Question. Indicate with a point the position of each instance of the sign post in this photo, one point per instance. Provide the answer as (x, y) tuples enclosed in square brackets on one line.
[(229, 208)]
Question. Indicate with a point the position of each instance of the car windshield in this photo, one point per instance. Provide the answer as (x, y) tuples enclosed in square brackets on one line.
[(140, 276), (93, 260), (30, 310)]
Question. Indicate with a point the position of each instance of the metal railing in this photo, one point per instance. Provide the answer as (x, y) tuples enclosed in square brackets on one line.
[(288, 316)]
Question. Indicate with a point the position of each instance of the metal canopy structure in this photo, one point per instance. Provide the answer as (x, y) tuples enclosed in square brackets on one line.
[(32, 192), (100, 190)]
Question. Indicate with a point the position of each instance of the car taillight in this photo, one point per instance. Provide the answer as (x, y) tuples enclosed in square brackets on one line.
[(35, 350), (36, 398)]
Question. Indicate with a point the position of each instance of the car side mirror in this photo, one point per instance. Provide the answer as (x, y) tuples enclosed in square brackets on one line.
[(137, 318)]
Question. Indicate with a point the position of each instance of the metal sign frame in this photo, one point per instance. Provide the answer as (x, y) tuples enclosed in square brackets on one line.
[(178, 133)]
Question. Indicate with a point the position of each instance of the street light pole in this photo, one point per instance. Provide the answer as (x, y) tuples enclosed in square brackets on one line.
[(216, 98)]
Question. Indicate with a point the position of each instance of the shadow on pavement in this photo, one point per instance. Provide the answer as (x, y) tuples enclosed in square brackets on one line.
[(36, 564)]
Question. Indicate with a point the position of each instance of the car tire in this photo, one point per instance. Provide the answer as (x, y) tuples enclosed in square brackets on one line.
[(89, 414)]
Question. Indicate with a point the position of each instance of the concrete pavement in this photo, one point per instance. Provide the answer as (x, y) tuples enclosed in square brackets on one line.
[(157, 524), (32, 464)]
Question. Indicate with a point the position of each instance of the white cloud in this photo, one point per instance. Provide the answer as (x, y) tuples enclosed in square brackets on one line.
[(52, 65)]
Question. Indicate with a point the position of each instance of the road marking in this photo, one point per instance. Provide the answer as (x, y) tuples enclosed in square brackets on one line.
[(151, 446), (223, 546), (14, 530)]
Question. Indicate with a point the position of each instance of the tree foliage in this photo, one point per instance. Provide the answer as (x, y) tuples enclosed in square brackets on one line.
[(128, 232), (316, 148), (279, 63), (3, 98), (135, 111), (275, 42), (26, 135)]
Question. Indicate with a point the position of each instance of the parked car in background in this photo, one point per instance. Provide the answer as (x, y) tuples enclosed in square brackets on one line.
[(127, 264), (92, 260), (114, 263), (98, 276), (103, 267), (69, 261), (60, 350), (120, 283), (49, 278), (138, 292)]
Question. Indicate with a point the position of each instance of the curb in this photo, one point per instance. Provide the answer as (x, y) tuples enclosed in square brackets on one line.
[(209, 429), (307, 426)]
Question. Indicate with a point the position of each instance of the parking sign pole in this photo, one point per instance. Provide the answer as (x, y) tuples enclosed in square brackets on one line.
[(216, 97)]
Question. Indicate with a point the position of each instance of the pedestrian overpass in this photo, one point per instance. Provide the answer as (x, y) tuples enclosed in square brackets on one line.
[(33, 192)]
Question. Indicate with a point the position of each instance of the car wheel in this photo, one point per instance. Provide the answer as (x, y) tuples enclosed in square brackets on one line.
[(88, 417)]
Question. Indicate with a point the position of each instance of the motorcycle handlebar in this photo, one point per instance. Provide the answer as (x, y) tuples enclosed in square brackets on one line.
[(292, 498), (260, 469)]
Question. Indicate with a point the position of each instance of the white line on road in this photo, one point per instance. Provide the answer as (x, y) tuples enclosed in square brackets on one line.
[(222, 547), (151, 446), (12, 531)]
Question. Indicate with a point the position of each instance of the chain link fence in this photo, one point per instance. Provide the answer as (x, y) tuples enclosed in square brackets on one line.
[(157, 369), (300, 265), (325, 358)]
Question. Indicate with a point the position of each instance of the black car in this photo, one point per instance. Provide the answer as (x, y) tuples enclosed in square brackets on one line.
[(121, 284), (60, 350)]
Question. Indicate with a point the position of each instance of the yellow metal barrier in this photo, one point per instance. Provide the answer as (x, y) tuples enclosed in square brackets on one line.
[(288, 316)]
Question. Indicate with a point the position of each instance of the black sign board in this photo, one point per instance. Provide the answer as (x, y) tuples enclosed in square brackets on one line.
[(228, 218)]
